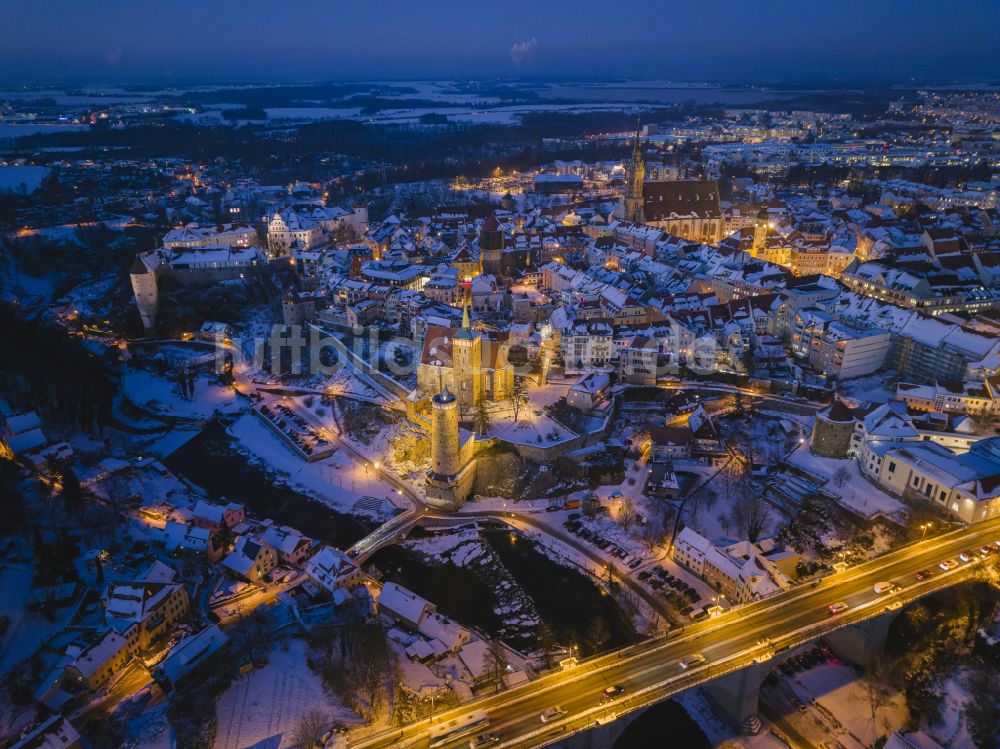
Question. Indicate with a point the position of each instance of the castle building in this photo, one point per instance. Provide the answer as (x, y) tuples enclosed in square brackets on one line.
[(466, 362), (194, 266), (452, 471)]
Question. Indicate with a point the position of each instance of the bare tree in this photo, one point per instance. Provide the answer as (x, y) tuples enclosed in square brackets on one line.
[(597, 634), (309, 731), (876, 690), (750, 513), (841, 475), (546, 642), (626, 513), (652, 534), (518, 396), (495, 664)]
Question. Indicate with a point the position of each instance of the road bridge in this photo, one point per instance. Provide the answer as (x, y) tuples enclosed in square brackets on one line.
[(738, 648)]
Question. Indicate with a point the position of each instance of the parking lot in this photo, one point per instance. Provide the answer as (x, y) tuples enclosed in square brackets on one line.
[(675, 592)]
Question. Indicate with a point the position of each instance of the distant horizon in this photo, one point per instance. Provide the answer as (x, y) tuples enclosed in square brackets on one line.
[(11, 84)]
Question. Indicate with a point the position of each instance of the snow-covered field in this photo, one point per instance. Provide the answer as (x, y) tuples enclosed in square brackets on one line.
[(339, 481), (855, 491), (263, 708), (160, 395), (837, 688)]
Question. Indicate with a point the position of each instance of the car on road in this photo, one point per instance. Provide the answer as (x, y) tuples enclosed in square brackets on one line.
[(985, 551), (553, 713), (948, 564), (836, 608), (611, 692), (924, 574), (882, 588), (690, 660), (484, 739)]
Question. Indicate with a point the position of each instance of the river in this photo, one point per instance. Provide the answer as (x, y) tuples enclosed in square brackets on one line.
[(211, 461)]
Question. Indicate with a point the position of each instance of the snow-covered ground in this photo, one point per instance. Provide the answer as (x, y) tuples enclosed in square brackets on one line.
[(870, 389), (27, 629), (855, 491), (838, 705), (263, 708), (161, 395), (719, 730), (953, 732), (339, 481)]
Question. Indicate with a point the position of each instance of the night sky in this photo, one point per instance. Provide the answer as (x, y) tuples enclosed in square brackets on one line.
[(244, 40)]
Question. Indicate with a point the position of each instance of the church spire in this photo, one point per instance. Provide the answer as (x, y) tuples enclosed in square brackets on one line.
[(635, 175), (465, 312)]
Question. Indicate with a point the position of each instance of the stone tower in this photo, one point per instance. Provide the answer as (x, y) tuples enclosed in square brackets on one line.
[(635, 174), (491, 246), (452, 472), (467, 362), (832, 430), (444, 434)]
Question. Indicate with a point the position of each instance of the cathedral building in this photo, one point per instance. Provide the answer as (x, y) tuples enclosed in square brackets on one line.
[(689, 209)]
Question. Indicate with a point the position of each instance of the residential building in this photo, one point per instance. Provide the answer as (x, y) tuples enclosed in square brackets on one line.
[(333, 570), (53, 733), (250, 560)]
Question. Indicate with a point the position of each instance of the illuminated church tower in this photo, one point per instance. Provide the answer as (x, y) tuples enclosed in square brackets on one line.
[(635, 174), (467, 360), (760, 228)]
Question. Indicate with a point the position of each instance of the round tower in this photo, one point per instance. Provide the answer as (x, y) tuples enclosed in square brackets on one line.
[(832, 429), (444, 434)]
